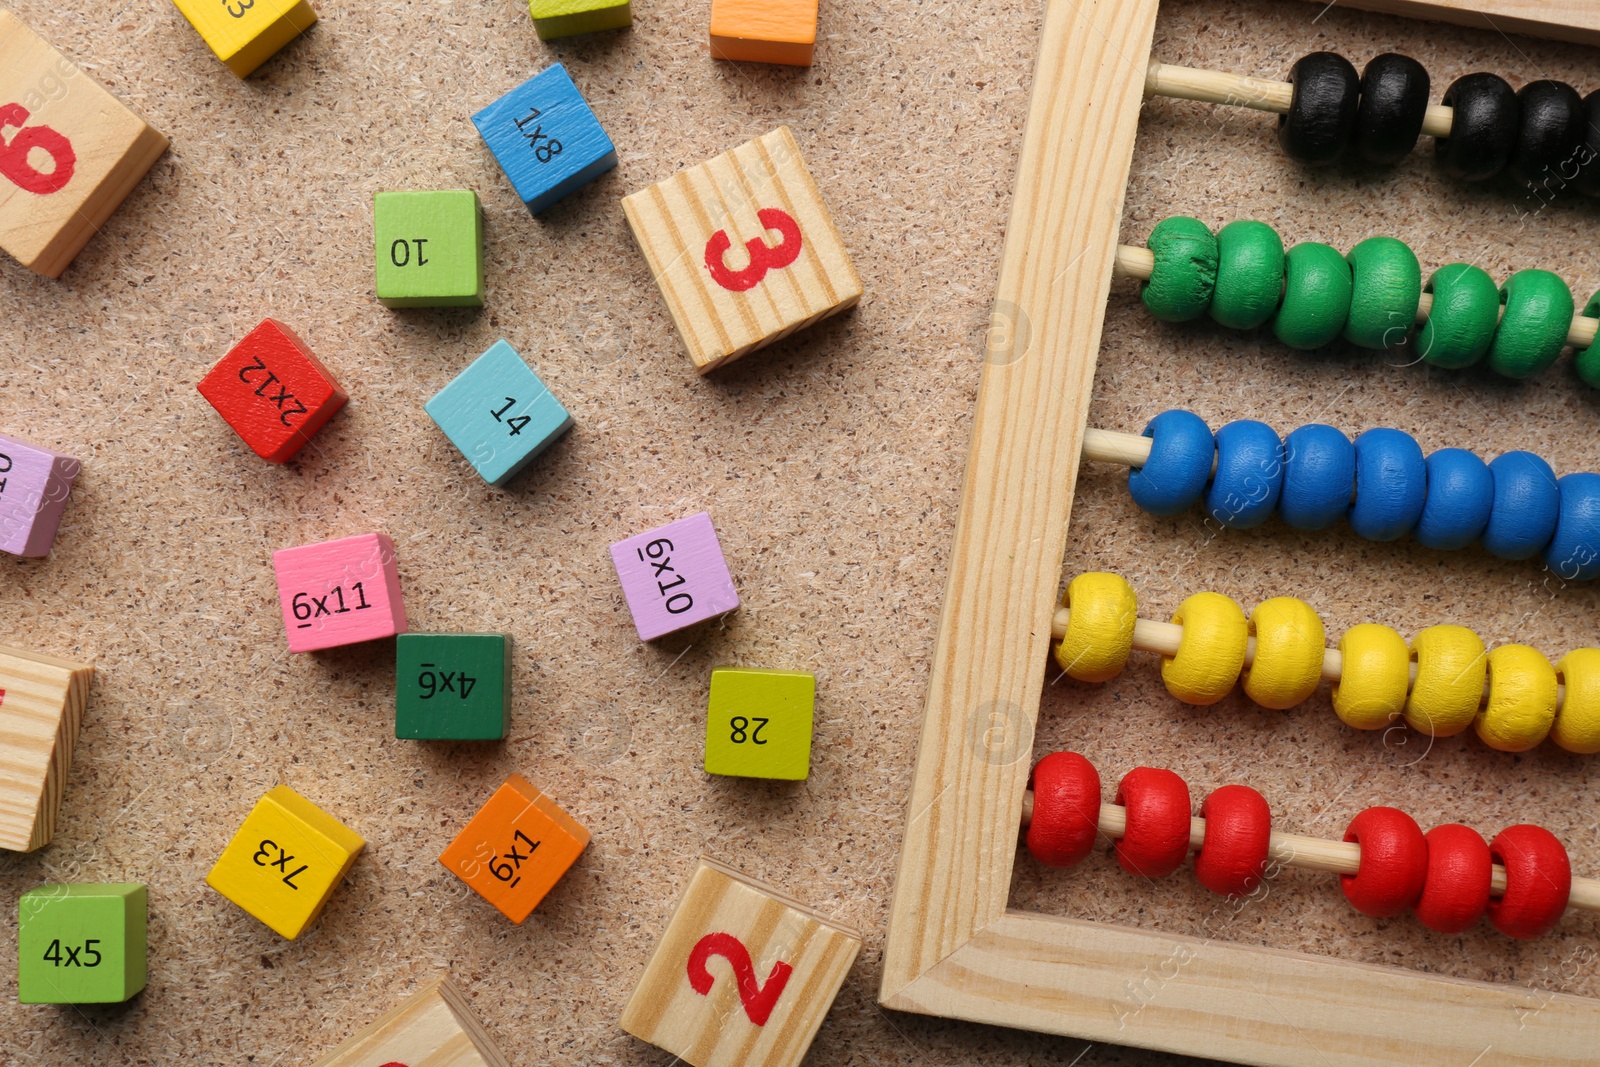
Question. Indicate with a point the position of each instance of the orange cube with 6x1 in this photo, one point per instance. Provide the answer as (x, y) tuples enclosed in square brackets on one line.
[(516, 848)]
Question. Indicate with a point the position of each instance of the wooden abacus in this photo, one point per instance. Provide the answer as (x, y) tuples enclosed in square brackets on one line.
[(954, 947)]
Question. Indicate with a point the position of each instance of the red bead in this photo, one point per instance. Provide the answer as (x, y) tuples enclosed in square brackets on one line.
[(1233, 856), (1538, 881), (1066, 809), (1456, 892), (1157, 838), (272, 391), (1394, 862)]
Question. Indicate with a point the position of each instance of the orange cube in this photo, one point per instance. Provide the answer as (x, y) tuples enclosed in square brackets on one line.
[(764, 31), (516, 848)]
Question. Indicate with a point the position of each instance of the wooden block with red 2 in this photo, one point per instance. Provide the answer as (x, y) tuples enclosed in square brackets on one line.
[(516, 848), (273, 391)]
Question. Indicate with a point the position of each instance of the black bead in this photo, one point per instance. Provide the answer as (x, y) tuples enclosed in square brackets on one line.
[(1483, 132), (1589, 164), (1394, 99), (1322, 112), (1550, 139)]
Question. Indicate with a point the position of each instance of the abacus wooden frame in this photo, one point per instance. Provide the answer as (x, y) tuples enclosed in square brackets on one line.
[(954, 948)]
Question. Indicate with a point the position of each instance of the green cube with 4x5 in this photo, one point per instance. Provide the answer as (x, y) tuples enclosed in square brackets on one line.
[(452, 687), (81, 944), (429, 249)]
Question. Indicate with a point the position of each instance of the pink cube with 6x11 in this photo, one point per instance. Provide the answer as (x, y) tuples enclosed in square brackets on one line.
[(339, 592), (674, 576)]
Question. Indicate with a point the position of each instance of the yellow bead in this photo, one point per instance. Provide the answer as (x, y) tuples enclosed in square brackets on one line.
[(1376, 672), (1449, 686), (1101, 612), (1289, 647), (1577, 726), (1210, 652), (1522, 699)]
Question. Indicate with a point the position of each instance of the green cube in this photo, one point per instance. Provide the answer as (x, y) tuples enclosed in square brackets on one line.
[(429, 249), (452, 687), (81, 944), (758, 723), (567, 18)]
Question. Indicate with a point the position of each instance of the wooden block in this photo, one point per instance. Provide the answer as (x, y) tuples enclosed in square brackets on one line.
[(34, 483), (246, 33), (433, 1028), (273, 391), (452, 687), (339, 592), (674, 576), (97, 148), (764, 31), (516, 848), (499, 413), (758, 723), (41, 707), (81, 944), (743, 249), (545, 138), (742, 977), (429, 248), (285, 861), (567, 18)]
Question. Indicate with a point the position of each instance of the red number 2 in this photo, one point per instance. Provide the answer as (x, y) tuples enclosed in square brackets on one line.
[(758, 1000), (762, 258), (14, 155)]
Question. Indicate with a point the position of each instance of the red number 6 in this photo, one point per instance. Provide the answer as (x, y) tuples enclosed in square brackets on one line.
[(758, 999), (14, 155), (762, 258)]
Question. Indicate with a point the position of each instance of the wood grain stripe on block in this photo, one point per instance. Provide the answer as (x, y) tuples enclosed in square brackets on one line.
[(435, 1027), (41, 708)]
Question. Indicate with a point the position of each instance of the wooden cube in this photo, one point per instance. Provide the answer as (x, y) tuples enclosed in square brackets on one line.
[(429, 248), (246, 33), (81, 944), (743, 975), (339, 592), (674, 576), (97, 148), (764, 31), (285, 861), (41, 707), (434, 1027), (546, 139), (34, 484), (499, 413), (452, 687), (758, 723), (567, 18), (273, 391), (516, 848), (743, 249)]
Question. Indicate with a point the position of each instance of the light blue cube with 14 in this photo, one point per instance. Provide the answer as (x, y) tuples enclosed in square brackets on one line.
[(545, 138), (499, 414)]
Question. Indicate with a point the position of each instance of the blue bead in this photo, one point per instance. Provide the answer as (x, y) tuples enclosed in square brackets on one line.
[(1391, 485), (1460, 495), (1249, 477), (1181, 451), (545, 138), (1574, 552), (1319, 477), (1527, 503)]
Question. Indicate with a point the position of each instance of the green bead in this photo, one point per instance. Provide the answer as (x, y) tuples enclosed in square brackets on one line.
[(1316, 296), (1185, 272), (1249, 274), (1466, 308), (1534, 328), (1588, 361), (452, 687), (1386, 286)]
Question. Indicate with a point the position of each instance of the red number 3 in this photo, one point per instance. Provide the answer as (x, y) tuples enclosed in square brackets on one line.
[(758, 1000), (762, 258), (14, 155)]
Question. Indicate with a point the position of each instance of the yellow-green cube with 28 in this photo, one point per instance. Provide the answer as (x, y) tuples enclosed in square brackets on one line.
[(758, 723)]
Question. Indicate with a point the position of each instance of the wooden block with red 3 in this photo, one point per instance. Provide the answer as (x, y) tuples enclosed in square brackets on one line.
[(273, 391)]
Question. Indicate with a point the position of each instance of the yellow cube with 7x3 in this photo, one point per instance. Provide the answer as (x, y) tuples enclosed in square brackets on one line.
[(758, 723), (283, 864), (246, 33)]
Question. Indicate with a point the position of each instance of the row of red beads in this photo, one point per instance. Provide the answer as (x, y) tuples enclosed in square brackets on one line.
[(1443, 875)]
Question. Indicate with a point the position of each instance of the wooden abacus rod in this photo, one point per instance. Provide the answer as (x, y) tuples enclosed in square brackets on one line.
[(1135, 262), (1315, 853)]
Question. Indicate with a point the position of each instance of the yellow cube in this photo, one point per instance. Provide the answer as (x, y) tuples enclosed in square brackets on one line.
[(758, 723), (246, 33), (285, 861)]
